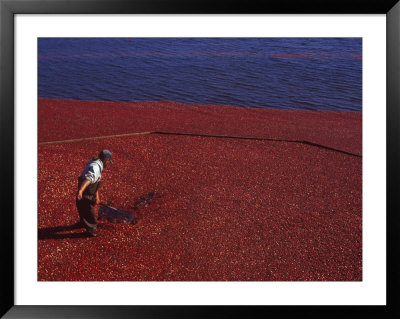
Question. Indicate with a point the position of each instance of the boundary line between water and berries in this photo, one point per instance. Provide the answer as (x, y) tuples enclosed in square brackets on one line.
[(202, 135)]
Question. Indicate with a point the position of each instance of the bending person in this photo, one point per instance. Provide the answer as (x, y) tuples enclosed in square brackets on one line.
[(87, 195)]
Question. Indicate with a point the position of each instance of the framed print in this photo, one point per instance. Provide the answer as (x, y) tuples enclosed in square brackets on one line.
[(230, 159)]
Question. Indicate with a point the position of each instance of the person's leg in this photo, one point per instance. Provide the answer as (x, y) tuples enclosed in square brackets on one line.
[(87, 216), (92, 221)]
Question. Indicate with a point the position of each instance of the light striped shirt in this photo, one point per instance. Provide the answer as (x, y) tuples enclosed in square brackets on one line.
[(92, 171)]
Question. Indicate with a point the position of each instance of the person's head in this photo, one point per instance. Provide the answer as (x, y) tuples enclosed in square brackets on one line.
[(105, 156)]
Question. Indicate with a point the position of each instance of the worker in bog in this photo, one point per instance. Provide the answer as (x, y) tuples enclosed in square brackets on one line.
[(87, 195)]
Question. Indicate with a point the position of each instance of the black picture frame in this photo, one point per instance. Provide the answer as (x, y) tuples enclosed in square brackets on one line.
[(8, 8)]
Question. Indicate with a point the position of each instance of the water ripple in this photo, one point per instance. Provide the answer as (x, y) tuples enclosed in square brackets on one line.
[(293, 73)]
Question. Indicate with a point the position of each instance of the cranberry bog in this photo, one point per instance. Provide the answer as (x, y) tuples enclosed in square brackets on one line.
[(220, 193)]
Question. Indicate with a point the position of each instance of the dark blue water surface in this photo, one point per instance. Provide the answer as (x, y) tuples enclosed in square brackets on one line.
[(284, 73)]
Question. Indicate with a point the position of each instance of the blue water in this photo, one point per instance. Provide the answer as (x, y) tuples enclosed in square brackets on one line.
[(283, 73)]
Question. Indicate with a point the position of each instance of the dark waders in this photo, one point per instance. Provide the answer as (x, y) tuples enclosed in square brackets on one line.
[(86, 205)]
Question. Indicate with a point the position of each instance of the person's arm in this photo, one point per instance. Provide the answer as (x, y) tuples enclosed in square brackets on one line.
[(85, 184), (97, 198)]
